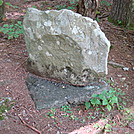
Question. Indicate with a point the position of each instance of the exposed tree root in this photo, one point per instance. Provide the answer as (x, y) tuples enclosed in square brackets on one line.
[(34, 129)]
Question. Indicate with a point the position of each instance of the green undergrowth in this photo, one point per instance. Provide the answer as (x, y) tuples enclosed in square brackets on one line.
[(108, 99), (105, 3), (73, 4), (12, 30), (120, 24), (5, 105)]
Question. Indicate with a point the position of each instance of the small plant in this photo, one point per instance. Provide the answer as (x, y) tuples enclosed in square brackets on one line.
[(73, 1), (1, 2), (66, 109), (83, 120), (73, 117), (5, 105), (128, 116), (73, 4), (107, 99), (34, 6), (59, 7), (13, 30), (96, 126), (107, 128), (119, 22), (105, 3), (68, 113), (52, 112)]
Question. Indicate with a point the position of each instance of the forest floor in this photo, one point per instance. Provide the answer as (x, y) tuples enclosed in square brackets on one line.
[(23, 118)]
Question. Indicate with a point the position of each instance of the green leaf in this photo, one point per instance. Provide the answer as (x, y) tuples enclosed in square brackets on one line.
[(19, 22), (5, 25), (5, 31), (1, 2), (102, 97), (87, 105), (70, 8), (69, 112), (113, 100), (16, 35), (10, 33), (98, 12), (95, 101), (108, 126), (34, 7), (10, 37), (11, 26), (104, 102), (9, 4), (109, 107), (95, 95)]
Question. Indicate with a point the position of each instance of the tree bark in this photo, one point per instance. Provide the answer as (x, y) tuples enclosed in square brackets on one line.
[(122, 12), (87, 8), (2, 7)]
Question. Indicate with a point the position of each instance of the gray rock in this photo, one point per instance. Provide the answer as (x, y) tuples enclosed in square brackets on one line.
[(49, 94), (131, 125), (66, 46), (125, 68), (115, 129)]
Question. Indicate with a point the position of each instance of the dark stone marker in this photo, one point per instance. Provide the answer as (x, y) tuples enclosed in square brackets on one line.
[(48, 94)]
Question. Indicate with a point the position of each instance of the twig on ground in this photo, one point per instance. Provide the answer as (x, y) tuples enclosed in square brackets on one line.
[(34, 129), (118, 118), (21, 64)]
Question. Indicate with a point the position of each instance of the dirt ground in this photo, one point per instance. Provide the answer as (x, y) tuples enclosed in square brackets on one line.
[(23, 118)]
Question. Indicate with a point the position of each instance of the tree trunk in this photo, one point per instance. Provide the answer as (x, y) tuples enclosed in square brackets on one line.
[(87, 8), (122, 12), (2, 6)]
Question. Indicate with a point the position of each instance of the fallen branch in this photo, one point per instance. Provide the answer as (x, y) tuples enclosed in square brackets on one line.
[(34, 129), (21, 64)]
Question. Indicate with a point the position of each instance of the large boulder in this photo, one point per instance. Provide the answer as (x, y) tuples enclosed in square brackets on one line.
[(65, 46)]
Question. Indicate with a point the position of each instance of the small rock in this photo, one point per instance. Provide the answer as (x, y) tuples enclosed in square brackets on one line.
[(115, 129), (122, 79), (111, 79), (58, 132), (131, 125), (119, 75), (125, 68)]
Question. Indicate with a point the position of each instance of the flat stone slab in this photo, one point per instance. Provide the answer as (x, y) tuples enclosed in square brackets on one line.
[(48, 94)]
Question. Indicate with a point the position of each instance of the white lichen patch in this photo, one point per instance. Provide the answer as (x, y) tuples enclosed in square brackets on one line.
[(47, 11), (39, 48), (89, 52), (42, 41), (75, 30), (80, 35), (31, 56), (58, 42), (30, 33), (48, 23), (38, 24), (48, 54)]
